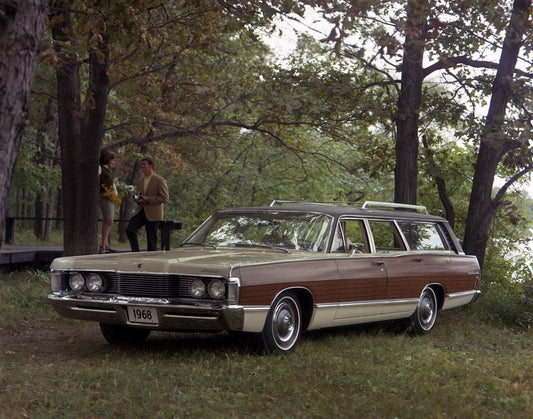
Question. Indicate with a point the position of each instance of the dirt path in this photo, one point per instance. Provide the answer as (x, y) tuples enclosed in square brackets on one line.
[(48, 342)]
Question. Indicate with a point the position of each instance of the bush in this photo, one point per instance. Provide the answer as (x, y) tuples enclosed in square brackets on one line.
[(508, 302)]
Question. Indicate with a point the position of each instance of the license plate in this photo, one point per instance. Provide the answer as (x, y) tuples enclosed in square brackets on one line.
[(138, 314)]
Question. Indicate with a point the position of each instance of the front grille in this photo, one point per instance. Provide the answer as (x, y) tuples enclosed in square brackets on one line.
[(141, 285), (148, 286)]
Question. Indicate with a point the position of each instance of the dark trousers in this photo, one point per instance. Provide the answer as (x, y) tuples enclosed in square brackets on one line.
[(135, 224)]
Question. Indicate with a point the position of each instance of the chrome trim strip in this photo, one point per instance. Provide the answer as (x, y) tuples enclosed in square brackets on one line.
[(139, 272), (346, 313), (403, 307), (369, 303), (185, 316), (94, 310), (460, 298)]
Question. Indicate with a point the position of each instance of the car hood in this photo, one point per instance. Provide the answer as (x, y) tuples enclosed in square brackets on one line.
[(195, 261)]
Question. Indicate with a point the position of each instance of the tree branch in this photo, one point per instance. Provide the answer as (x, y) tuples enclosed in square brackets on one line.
[(448, 62), (498, 199)]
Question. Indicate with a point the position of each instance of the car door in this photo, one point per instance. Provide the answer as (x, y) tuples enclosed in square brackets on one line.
[(425, 260), (405, 272), (363, 278)]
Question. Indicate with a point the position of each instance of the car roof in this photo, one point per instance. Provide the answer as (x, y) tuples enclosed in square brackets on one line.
[(370, 209)]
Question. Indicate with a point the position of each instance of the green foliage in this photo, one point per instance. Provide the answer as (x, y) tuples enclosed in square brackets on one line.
[(506, 301), (33, 172), (508, 275), (250, 172)]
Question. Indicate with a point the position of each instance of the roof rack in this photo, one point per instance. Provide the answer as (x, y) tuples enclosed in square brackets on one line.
[(282, 202), (394, 206), (366, 205)]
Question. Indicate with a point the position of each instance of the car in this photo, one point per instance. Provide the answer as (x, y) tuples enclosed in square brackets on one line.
[(274, 272)]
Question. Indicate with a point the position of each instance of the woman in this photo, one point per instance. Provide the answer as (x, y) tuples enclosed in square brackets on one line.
[(108, 197)]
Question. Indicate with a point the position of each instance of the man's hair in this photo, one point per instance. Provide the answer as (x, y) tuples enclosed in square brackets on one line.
[(106, 156), (149, 161)]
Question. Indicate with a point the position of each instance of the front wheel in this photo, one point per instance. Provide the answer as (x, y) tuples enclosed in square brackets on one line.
[(283, 325), (425, 316), (117, 334)]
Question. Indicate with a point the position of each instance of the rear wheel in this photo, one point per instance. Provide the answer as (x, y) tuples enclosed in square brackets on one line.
[(118, 334), (425, 316), (283, 325)]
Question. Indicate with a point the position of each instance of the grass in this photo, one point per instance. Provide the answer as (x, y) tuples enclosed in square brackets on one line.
[(465, 368)]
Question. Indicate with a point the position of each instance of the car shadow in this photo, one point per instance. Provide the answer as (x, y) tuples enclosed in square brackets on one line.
[(242, 343)]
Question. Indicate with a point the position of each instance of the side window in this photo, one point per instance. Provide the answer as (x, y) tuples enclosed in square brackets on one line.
[(423, 236), (386, 238), (350, 236)]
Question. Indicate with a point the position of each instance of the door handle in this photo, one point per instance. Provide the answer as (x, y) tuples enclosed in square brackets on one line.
[(418, 260), (378, 262)]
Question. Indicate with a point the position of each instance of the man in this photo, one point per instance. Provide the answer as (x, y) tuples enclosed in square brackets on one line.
[(153, 193)]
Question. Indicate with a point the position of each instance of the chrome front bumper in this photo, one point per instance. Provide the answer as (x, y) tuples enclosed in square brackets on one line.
[(171, 317)]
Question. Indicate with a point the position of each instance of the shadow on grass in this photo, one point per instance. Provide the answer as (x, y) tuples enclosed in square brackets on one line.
[(160, 344)]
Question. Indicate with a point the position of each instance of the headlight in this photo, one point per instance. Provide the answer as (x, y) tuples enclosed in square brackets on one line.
[(216, 289), (76, 282), (197, 288), (95, 283)]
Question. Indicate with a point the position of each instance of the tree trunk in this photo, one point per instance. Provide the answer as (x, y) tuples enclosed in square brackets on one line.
[(69, 113), (493, 144), (91, 141), (21, 31), (406, 171), (80, 133)]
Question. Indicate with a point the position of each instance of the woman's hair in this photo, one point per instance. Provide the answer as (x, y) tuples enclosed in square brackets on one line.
[(106, 156)]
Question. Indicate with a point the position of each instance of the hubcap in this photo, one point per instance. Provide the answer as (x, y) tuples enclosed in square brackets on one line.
[(426, 311), (285, 324)]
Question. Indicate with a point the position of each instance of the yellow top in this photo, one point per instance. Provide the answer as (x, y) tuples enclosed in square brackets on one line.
[(147, 181)]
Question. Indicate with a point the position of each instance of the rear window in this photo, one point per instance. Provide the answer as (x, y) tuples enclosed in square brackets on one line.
[(386, 237), (423, 236)]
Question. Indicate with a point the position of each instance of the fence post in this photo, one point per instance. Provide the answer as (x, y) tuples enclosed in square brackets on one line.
[(10, 230)]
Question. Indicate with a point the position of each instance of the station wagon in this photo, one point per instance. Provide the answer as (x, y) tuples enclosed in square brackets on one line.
[(276, 271)]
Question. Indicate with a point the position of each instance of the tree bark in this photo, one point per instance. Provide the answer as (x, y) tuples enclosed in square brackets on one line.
[(80, 133), (69, 113), (21, 31), (493, 144), (406, 171)]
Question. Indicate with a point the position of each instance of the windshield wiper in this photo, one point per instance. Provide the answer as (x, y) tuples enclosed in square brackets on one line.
[(197, 244)]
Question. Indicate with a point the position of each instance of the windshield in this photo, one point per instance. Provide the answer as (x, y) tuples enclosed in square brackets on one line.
[(286, 230)]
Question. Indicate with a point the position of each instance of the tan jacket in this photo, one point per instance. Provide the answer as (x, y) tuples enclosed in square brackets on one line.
[(157, 193)]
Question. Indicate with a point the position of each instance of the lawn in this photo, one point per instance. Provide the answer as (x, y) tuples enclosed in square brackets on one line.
[(51, 367)]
